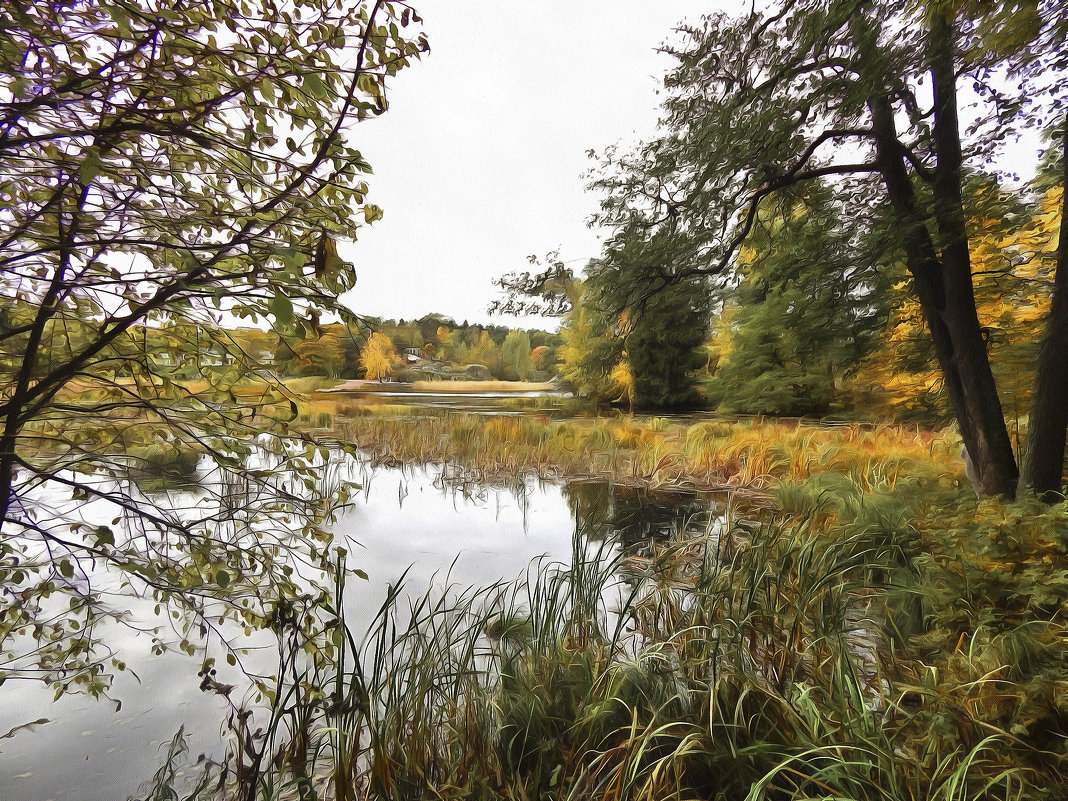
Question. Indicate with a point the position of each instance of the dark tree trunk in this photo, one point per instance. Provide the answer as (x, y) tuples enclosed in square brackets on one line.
[(1044, 458), (943, 280), (987, 440)]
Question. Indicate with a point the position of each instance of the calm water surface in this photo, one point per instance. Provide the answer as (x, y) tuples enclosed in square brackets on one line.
[(402, 520)]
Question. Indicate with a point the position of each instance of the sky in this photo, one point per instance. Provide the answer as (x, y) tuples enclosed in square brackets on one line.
[(479, 161)]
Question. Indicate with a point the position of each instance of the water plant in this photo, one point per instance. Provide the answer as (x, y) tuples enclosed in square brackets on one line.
[(750, 455), (744, 659)]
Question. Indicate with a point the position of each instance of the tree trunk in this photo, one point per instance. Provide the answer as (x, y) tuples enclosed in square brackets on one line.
[(1044, 458), (988, 445), (943, 281)]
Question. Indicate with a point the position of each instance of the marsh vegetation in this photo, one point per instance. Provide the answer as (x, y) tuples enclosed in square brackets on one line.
[(841, 635), (731, 480), (757, 609)]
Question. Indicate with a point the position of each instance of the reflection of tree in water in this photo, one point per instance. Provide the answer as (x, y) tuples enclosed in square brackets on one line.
[(590, 503), (638, 516)]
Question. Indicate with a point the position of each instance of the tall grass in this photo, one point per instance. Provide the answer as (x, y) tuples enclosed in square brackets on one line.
[(756, 661), (753, 455)]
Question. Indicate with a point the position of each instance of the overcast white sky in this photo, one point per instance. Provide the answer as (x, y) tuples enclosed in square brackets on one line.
[(478, 163)]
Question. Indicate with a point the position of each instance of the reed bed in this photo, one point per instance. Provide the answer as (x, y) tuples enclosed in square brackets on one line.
[(840, 653), (754, 455)]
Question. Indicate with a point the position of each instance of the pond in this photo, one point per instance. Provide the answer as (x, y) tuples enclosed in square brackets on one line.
[(403, 520)]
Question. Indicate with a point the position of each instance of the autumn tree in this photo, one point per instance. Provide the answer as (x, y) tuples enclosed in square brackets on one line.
[(378, 357), (590, 355), (163, 164), (867, 92), (331, 350), (483, 350)]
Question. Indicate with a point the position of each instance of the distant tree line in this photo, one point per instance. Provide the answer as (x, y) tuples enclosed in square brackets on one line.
[(428, 347)]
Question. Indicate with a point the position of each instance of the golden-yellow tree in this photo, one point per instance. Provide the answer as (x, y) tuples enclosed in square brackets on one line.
[(378, 357)]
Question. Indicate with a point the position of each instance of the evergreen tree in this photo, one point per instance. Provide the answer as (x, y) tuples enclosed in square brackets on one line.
[(664, 347), (806, 309)]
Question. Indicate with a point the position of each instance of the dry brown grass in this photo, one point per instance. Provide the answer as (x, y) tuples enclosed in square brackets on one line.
[(754, 455), (480, 386)]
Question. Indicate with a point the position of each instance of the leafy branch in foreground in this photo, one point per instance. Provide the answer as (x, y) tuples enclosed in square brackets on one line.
[(166, 166)]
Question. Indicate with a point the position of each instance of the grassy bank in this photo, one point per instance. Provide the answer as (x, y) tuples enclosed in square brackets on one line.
[(753, 455), (877, 645)]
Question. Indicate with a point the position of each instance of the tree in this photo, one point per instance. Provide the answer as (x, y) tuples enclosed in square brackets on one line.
[(805, 91), (613, 350), (663, 330), (1043, 466), (591, 353), (331, 351), (515, 356), (378, 357), (663, 347), (163, 165), (803, 311), (483, 350)]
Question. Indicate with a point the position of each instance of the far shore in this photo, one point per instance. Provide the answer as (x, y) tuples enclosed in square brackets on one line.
[(365, 385)]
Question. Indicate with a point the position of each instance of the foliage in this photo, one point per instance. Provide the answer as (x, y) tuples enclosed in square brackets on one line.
[(378, 357), (589, 353), (515, 356), (1013, 250), (662, 347), (160, 168), (805, 310), (794, 93), (661, 332)]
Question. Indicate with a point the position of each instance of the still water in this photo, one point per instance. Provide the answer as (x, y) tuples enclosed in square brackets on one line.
[(403, 519)]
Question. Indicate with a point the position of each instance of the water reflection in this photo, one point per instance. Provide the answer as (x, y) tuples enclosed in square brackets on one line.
[(639, 517), (412, 522)]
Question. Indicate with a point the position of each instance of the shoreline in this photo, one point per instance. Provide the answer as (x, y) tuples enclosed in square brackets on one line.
[(356, 385)]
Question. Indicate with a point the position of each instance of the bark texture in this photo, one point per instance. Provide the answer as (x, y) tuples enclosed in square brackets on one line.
[(1043, 469), (942, 273)]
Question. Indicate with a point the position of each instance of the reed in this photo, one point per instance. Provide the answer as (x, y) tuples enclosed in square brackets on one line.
[(751, 661), (755, 455)]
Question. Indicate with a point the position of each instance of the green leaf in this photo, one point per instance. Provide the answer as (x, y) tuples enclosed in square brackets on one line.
[(90, 167), (282, 309), (104, 535), (314, 86), (222, 578)]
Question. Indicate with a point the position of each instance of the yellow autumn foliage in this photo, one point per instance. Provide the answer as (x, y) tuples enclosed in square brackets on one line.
[(1012, 268), (378, 357)]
